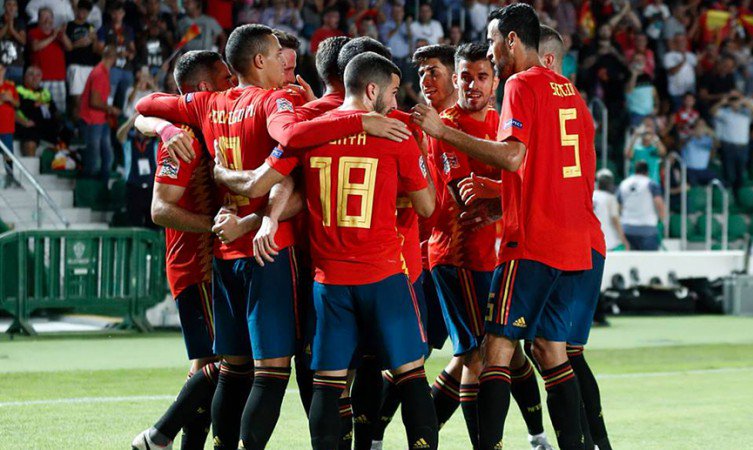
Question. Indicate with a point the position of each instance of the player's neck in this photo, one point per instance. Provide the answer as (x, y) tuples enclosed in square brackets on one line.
[(256, 79), (530, 59), (335, 90), (353, 104), (479, 115), (447, 103)]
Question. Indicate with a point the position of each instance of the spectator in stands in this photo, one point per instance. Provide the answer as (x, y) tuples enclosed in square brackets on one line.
[(607, 210), (12, 42), (37, 116), (166, 21), (426, 27), (565, 15), (642, 53), (642, 209), (363, 11), (716, 84), (654, 15), (156, 45), (222, 11), (212, 36), (282, 16), (684, 119), (642, 99), (454, 36), (678, 23), (478, 11), (48, 45), (396, 34), (121, 37), (645, 146), (139, 154), (9, 102), (97, 155), (544, 17), (144, 86), (697, 151), (680, 66), (732, 119), (81, 58), (62, 11), (569, 60), (330, 22)]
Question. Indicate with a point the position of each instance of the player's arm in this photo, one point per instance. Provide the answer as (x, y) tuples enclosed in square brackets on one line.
[(248, 183), (423, 200), (167, 213), (176, 141), (414, 176), (282, 199)]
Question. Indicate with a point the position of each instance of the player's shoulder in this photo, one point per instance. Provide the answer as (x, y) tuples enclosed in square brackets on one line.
[(451, 115), (294, 98), (188, 130)]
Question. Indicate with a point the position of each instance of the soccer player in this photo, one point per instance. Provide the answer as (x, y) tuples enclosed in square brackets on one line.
[(545, 129), (255, 307), (360, 286), (184, 202)]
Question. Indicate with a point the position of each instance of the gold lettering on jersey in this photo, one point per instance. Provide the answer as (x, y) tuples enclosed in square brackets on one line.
[(562, 90), (364, 190), (222, 117), (570, 140), (230, 147), (354, 139)]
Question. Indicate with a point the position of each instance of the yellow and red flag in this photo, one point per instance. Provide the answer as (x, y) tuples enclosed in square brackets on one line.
[(191, 34), (715, 25)]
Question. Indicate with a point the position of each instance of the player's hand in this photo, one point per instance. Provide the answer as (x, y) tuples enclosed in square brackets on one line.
[(227, 227), (476, 217), (428, 119), (302, 88), (178, 143), (378, 125), (476, 187), (220, 169), (264, 241)]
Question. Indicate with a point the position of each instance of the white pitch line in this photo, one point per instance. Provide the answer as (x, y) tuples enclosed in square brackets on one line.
[(149, 398)]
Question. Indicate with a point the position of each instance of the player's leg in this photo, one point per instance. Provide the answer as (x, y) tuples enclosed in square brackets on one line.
[(518, 293), (390, 402), (333, 347), (525, 391), (393, 310), (445, 391), (194, 306), (304, 376), (549, 350), (232, 341), (584, 306), (272, 323), (366, 393)]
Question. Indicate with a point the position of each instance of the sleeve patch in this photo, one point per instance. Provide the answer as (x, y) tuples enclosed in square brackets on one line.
[(169, 168), (449, 162), (189, 97), (284, 104), (277, 153), (513, 123)]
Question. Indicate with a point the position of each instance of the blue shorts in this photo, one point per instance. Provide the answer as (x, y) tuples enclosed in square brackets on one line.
[(580, 290), (255, 307), (195, 310), (385, 313), (519, 294), (436, 330), (463, 294)]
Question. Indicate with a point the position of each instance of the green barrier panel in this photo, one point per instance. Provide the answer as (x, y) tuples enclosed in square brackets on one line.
[(116, 272)]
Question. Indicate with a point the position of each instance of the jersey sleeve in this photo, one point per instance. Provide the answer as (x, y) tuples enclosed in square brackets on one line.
[(294, 131), (410, 176), (281, 162), (517, 107), (188, 109), (452, 163), (177, 173)]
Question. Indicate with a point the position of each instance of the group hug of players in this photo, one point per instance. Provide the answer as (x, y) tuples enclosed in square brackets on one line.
[(394, 216)]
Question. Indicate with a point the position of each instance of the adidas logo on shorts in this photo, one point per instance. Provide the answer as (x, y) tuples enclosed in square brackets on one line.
[(421, 443), (520, 322)]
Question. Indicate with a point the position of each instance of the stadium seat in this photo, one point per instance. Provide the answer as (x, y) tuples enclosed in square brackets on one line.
[(675, 222), (745, 197), (716, 227), (90, 193), (737, 227), (45, 160), (718, 202), (117, 195), (697, 199)]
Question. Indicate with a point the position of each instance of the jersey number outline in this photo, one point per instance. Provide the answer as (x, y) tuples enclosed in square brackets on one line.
[(231, 146), (570, 140), (346, 188)]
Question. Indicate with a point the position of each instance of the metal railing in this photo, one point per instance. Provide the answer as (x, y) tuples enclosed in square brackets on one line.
[(41, 192), (715, 183), (603, 124), (674, 156)]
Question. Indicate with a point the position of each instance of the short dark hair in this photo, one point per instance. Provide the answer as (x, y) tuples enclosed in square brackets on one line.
[(368, 68), (193, 67), (244, 43), (326, 58), (549, 34), (357, 46), (641, 167), (85, 5), (520, 18), (287, 40), (471, 52), (444, 53)]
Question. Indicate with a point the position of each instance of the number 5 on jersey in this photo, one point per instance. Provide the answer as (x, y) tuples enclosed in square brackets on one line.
[(356, 178), (570, 140)]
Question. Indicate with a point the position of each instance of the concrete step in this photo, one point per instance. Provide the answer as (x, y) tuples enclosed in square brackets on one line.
[(31, 163), (24, 198), (74, 215)]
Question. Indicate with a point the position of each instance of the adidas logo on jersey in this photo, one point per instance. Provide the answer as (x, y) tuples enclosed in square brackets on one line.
[(421, 443), (498, 446), (362, 419), (520, 322)]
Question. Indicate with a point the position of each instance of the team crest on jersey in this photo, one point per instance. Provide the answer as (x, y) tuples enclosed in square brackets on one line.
[(189, 97), (449, 162), (284, 104), (513, 123), (169, 168), (277, 153)]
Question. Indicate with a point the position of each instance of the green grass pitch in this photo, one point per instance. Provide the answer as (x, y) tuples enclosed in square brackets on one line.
[(666, 383)]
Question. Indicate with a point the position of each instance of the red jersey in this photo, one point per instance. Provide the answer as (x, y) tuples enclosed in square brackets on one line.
[(98, 81), (50, 59), (188, 255), (449, 243), (351, 193), (7, 110), (543, 202), (245, 124)]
